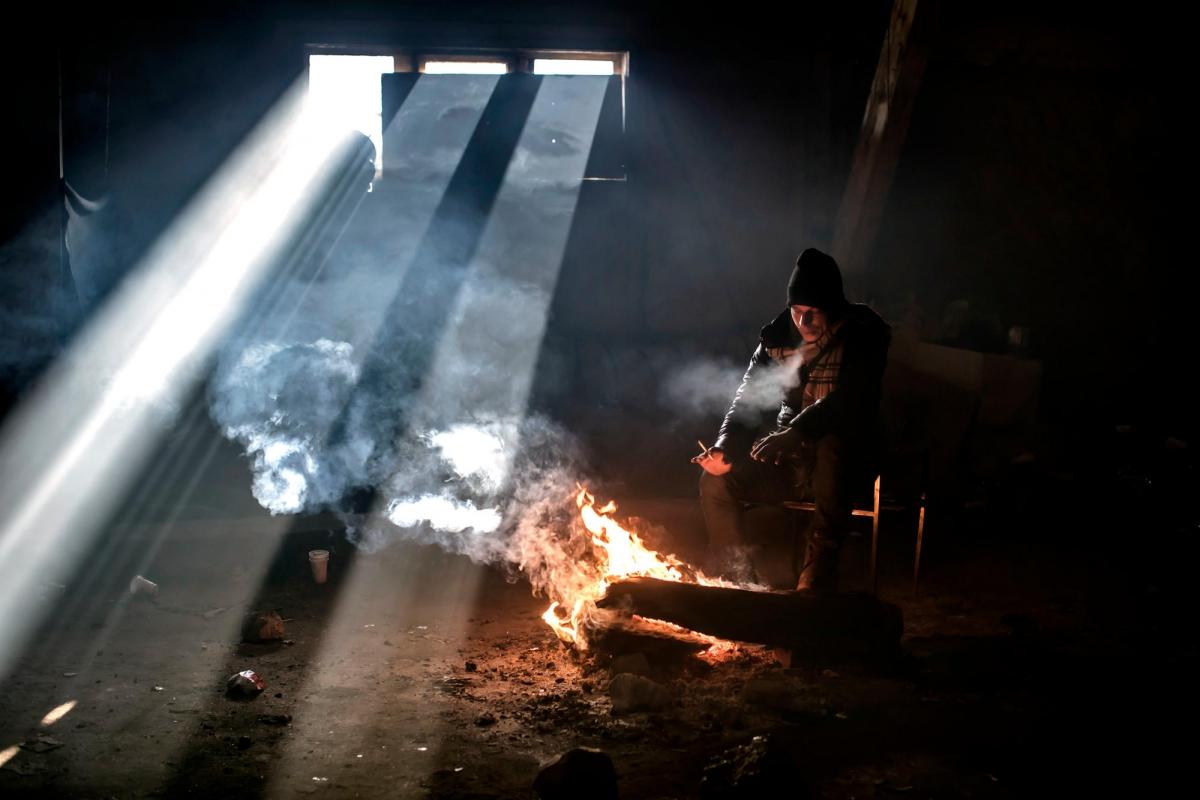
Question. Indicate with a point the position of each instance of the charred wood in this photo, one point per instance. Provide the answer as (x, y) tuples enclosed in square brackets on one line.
[(848, 625), (615, 633)]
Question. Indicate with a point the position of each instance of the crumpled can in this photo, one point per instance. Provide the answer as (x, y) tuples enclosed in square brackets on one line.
[(245, 684)]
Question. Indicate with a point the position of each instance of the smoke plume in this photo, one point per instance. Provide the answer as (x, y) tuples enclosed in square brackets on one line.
[(384, 373), (704, 387)]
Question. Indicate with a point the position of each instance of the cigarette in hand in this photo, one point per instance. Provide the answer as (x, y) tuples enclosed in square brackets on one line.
[(703, 447)]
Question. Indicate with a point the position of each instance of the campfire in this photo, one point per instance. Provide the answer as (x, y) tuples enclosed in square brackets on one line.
[(621, 554), (649, 594)]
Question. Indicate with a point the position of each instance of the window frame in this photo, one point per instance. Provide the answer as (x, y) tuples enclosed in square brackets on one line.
[(413, 59), (519, 60)]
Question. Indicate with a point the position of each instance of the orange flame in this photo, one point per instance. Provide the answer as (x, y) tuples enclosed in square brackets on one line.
[(621, 554)]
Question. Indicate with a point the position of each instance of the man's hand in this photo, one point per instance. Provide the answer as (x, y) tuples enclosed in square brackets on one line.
[(713, 462), (777, 447)]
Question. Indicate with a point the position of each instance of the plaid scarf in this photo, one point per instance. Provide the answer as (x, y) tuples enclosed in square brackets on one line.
[(820, 362)]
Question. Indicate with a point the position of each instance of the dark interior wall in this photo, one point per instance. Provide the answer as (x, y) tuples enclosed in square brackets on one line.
[(739, 135), (736, 161), (30, 225), (721, 111), (1036, 183), (1032, 183), (149, 109), (739, 129)]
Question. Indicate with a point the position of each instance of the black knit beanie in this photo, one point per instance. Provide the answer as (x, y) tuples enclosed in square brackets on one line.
[(816, 281)]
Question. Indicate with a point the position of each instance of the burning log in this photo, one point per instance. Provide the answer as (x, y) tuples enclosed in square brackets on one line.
[(843, 625), (631, 579), (617, 634)]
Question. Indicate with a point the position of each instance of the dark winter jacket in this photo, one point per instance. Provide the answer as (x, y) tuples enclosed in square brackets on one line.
[(851, 409)]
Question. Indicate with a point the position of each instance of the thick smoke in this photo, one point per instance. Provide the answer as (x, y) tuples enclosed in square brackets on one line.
[(498, 490), (279, 401), (384, 374), (515, 507), (704, 387)]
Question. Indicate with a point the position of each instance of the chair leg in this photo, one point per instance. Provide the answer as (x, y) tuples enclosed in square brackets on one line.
[(797, 545), (875, 538), (920, 542)]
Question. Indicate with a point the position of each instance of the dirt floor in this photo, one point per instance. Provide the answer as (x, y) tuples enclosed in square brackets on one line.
[(413, 673)]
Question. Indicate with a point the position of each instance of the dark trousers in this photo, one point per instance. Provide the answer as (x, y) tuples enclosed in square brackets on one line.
[(824, 472)]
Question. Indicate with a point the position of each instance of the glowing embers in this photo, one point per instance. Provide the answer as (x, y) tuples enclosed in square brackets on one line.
[(619, 553)]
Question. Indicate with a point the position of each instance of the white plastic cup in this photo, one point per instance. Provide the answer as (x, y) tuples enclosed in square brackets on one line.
[(318, 560), (140, 585)]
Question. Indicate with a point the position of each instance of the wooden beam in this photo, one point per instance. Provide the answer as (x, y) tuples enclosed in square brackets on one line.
[(885, 122), (793, 620)]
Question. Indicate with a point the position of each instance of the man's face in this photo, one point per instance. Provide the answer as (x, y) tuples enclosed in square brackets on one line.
[(810, 321)]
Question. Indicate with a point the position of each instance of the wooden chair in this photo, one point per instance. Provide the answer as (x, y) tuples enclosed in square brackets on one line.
[(873, 511)]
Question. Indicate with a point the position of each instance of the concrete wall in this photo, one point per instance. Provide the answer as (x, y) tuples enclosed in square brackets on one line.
[(1028, 186), (739, 131)]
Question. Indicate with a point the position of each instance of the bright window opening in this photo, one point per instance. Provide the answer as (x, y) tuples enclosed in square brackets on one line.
[(345, 91), (344, 88), (572, 66), (465, 67)]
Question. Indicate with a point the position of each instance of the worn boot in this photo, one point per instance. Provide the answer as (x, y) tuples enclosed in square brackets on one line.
[(819, 572)]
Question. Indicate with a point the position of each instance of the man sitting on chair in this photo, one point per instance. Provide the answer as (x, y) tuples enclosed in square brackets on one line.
[(833, 354)]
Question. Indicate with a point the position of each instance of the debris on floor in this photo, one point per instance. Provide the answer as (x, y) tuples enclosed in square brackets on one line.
[(262, 626), (244, 685)]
